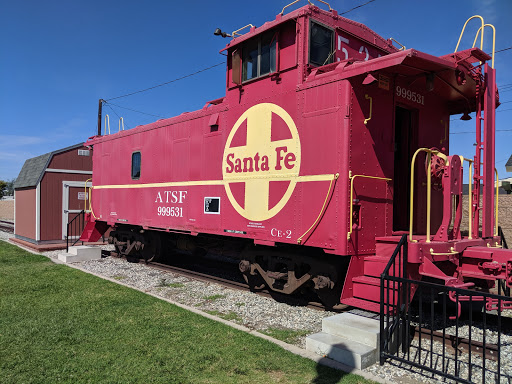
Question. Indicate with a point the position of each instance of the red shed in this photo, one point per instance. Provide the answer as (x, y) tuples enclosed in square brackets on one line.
[(49, 191)]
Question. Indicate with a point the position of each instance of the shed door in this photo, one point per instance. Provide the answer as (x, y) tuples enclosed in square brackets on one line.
[(74, 199)]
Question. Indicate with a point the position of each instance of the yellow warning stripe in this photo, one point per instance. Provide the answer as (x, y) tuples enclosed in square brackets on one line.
[(194, 183)]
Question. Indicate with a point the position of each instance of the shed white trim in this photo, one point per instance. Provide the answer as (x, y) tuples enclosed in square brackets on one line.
[(38, 211), (68, 171)]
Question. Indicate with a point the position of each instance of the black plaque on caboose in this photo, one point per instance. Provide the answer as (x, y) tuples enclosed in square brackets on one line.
[(212, 205)]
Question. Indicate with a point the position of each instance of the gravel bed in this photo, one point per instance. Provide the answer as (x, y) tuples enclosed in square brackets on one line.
[(265, 315), (253, 311)]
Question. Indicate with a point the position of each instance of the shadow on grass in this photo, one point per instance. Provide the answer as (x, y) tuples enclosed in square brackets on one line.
[(327, 375)]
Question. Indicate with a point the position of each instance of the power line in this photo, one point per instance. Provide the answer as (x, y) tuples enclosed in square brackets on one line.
[(359, 6), (134, 110), (498, 130), (504, 49), (168, 82)]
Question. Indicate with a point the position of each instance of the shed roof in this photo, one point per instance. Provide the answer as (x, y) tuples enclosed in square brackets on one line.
[(508, 166), (33, 170)]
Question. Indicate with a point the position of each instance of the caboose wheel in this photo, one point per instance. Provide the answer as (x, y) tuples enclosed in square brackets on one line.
[(152, 247)]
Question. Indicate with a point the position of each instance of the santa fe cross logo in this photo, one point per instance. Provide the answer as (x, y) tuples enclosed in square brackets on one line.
[(261, 160)]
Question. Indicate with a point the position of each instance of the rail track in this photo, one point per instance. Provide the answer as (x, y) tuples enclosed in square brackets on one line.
[(452, 342), (229, 283)]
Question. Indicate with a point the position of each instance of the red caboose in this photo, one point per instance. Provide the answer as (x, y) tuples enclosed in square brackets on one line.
[(305, 164)]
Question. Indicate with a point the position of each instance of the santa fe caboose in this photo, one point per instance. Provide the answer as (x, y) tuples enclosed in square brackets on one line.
[(329, 145)]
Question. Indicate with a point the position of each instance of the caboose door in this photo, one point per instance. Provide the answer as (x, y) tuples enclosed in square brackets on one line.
[(405, 144)]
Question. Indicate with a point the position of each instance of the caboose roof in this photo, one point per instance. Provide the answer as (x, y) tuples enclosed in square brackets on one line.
[(350, 26), (414, 64)]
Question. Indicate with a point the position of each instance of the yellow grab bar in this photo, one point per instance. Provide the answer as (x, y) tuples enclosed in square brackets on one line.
[(85, 191), (452, 252), (286, 6), (401, 45), (335, 177), (493, 40), (352, 177), (411, 213), (121, 121), (239, 29), (107, 123), (322, 1), (463, 28), (371, 107)]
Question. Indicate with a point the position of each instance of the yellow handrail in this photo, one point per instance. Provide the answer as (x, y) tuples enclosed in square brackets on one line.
[(411, 213), (85, 191), (493, 40), (239, 29), (286, 6), (322, 1), (121, 121), (452, 252), (352, 177), (107, 123), (497, 197), (90, 202), (470, 196), (335, 177), (401, 45), (371, 107), (463, 28)]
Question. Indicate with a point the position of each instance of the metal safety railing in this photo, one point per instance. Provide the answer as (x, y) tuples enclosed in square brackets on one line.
[(430, 334), (394, 300), (74, 229)]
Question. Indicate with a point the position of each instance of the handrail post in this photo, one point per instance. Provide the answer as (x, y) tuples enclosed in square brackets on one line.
[(429, 193), (496, 208)]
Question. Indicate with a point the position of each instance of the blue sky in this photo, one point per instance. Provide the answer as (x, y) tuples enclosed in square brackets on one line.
[(57, 58)]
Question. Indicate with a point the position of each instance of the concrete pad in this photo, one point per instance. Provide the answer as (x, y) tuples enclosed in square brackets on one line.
[(341, 349), (80, 253), (356, 328)]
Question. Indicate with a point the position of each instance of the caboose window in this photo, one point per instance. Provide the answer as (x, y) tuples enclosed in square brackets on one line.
[(259, 57), (135, 165), (321, 45)]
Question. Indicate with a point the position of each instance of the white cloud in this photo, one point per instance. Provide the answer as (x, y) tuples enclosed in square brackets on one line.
[(10, 141)]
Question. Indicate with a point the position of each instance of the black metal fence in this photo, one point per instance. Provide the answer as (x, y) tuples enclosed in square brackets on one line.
[(74, 229), (452, 332)]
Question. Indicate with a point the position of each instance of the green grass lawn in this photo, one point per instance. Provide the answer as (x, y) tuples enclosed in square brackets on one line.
[(58, 324)]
